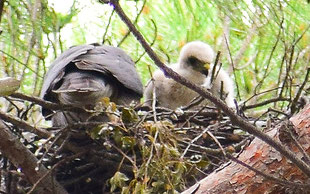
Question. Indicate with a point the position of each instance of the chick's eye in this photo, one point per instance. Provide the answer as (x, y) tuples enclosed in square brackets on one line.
[(193, 61)]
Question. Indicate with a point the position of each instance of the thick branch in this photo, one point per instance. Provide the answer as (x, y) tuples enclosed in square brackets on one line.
[(21, 157), (259, 169), (23, 125)]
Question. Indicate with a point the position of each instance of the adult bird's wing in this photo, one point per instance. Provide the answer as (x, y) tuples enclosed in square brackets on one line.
[(57, 69), (116, 61)]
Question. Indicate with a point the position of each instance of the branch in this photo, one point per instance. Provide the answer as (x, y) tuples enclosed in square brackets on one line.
[(67, 159), (21, 157), (259, 164), (45, 104), (236, 119), (277, 99), (267, 176), (135, 22), (107, 28), (23, 125), (295, 101)]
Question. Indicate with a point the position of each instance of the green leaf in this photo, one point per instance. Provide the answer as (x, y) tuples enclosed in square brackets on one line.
[(128, 142), (118, 181), (129, 115)]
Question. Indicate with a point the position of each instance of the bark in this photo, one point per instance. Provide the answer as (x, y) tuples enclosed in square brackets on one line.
[(22, 158), (235, 178)]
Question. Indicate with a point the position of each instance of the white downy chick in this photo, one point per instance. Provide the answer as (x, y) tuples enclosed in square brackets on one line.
[(193, 64)]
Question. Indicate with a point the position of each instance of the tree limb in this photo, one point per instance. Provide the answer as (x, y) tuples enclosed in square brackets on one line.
[(21, 157), (259, 169), (23, 125)]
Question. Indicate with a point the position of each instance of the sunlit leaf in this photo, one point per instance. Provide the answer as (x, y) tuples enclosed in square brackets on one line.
[(118, 181)]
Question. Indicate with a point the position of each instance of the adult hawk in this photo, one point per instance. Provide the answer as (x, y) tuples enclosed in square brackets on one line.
[(84, 75)]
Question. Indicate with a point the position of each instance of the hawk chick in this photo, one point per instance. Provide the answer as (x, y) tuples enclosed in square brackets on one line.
[(193, 64)]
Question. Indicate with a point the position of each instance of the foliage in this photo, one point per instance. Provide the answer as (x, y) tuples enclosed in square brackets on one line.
[(31, 34), (267, 40)]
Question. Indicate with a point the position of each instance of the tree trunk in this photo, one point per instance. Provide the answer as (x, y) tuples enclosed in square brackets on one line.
[(235, 178)]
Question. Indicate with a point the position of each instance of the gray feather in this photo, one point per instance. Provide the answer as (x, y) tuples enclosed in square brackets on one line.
[(83, 75), (56, 71), (112, 59)]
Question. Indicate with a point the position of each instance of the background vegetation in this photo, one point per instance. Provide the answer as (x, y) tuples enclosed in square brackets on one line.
[(261, 40)]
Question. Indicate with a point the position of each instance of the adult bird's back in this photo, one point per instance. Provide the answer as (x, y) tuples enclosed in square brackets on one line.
[(83, 75)]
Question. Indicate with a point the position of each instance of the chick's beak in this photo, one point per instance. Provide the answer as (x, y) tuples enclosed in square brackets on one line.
[(205, 69)]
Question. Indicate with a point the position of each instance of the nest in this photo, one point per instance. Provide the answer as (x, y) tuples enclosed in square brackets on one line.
[(140, 149)]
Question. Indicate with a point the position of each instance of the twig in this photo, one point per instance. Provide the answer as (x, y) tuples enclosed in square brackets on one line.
[(196, 101), (151, 154), (135, 21), (108, 25), (56, 138), (192, 116), (264, 92), (277, 99), (193, 141), (288, 70), (269, 59), (212, 151), (152, 43), (233, 66), (217, 58), (280, 74), (278, 111), (69, 158), (289, 128), (295, 100), (15, 59), (135, 168), (217, 142), (154, 101)]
